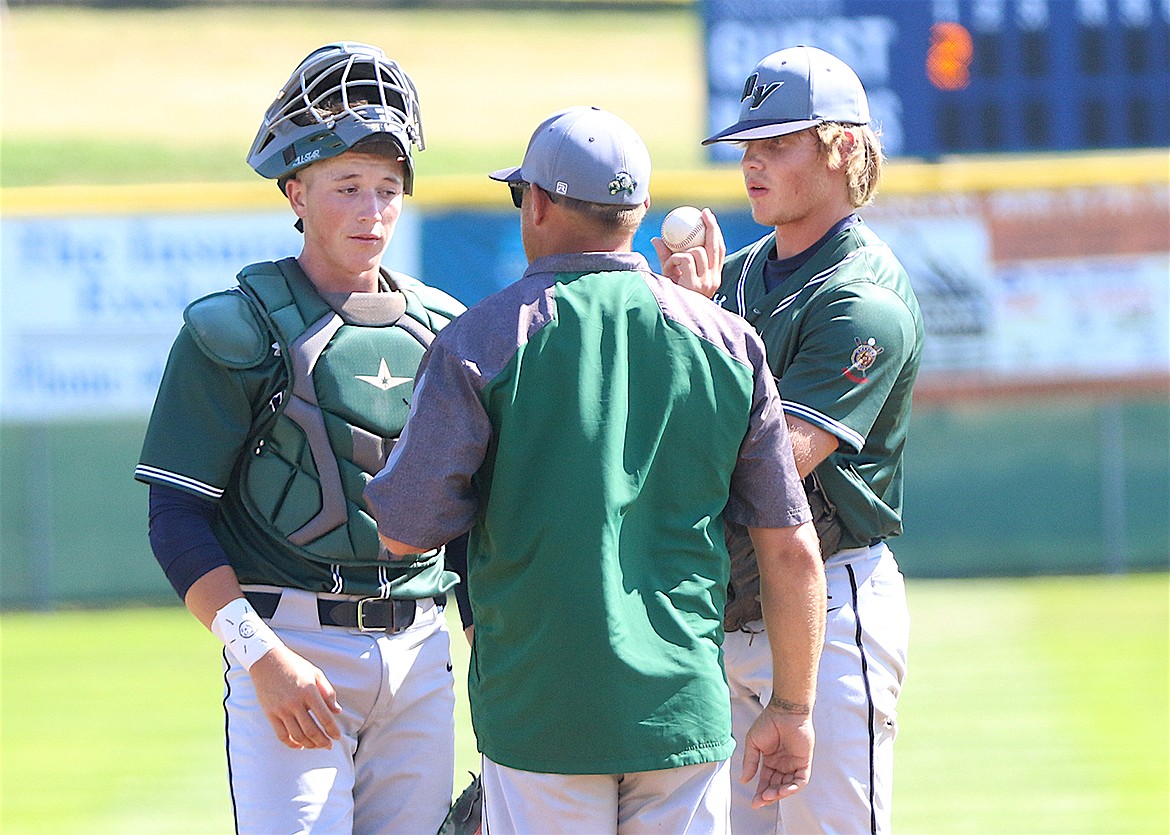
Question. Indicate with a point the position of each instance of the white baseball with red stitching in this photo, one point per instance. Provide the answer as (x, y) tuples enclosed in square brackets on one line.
[(683, 228)]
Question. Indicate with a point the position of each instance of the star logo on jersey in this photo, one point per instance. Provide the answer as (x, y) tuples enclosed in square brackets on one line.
[(383, 379), (862, 359)]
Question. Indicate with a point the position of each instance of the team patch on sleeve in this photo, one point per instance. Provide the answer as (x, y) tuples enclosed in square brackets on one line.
[(861, 360)]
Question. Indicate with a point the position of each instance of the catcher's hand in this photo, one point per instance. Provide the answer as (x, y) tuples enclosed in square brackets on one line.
[(466, 813)]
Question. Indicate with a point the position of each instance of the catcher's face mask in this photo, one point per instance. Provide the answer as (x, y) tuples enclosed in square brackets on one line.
[(340, 94)]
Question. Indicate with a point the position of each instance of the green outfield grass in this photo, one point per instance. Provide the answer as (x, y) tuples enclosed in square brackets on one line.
[(1033, 706)]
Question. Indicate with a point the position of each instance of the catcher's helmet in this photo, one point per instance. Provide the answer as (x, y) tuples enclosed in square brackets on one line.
[(340, 94)]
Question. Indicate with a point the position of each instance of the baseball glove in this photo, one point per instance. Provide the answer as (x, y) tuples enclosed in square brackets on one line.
[(466, 815)]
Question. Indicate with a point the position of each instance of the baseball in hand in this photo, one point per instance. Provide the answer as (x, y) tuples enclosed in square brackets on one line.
[(683, 228)]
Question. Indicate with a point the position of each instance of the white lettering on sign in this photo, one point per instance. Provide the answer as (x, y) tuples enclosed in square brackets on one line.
[(91, 305), (864, 43)]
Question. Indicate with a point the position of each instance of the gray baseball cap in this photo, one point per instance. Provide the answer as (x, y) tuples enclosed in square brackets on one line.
[(588, 154), (794, 89)]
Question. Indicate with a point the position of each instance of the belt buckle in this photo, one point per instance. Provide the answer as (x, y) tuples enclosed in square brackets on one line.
[(361, 616)]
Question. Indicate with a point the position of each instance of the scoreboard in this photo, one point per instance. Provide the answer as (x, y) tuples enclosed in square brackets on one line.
[(967, 76)]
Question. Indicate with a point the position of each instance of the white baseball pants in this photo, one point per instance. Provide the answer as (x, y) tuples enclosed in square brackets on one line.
[(393, 768), (863, 665), (689, 800)]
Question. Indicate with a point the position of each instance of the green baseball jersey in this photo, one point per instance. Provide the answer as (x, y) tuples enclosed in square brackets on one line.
[(593, 425), (844, 338), (280, 403)]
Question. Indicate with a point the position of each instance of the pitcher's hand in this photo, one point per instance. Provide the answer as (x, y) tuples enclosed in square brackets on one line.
[(779, 746), (699, 268)]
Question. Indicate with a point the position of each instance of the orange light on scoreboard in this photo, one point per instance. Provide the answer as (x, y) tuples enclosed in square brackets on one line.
[(948, 60), (966, 76)]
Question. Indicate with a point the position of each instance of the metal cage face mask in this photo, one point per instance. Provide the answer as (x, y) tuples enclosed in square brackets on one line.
[(340, 94)]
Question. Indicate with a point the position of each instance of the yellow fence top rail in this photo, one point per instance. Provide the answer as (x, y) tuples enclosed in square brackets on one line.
[(713, 186)]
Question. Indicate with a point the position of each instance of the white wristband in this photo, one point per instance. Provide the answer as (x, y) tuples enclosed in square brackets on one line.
[(245, 635)]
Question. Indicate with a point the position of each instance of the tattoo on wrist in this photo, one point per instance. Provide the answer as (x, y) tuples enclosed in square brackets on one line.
[(785, 706)]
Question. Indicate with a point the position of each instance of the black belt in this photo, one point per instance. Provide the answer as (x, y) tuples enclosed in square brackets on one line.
[(370, 614)]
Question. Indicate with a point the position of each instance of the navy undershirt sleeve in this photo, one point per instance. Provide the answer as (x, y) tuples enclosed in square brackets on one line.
[(181, 536)]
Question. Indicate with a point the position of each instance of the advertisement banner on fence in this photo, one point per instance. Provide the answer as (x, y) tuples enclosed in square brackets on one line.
[(89, 306), (1043, 283), (1050, 283)]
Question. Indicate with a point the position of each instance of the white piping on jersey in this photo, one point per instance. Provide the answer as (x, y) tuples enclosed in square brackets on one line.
[(819, 278), (747, 265), (855, 439), (791, 407), (185, 482), (384, 587)]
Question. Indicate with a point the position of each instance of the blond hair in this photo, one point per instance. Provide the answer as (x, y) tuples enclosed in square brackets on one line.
[(864, 162)]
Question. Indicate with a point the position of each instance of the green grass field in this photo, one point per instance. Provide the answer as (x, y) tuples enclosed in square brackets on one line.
[(1033, 706)]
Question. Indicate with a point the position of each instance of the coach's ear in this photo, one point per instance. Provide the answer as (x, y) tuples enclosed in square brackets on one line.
[(541, 203)]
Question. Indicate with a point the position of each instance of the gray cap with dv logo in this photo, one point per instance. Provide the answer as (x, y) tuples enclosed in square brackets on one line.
[(794, 89)]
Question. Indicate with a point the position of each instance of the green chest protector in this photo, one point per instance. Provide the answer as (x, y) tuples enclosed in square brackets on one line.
[(340, 398)]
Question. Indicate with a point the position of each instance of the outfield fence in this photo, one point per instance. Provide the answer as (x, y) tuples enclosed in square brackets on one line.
[(1040, 440)]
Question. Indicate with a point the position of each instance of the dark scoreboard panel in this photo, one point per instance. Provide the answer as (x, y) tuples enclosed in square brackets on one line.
[(969, 76)]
